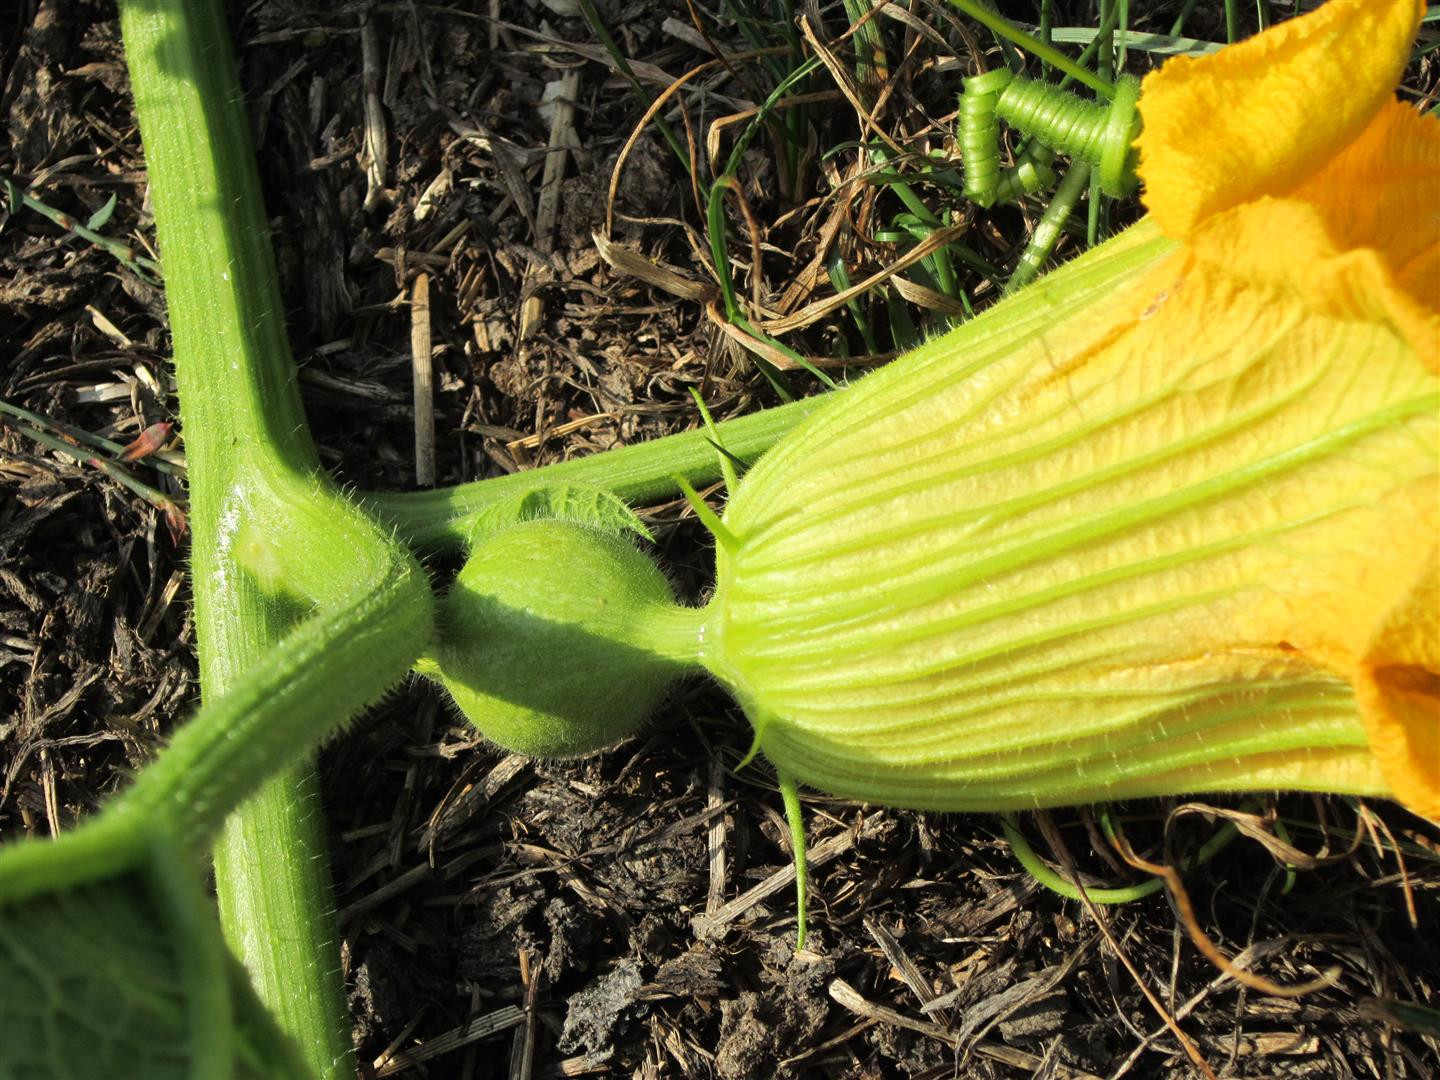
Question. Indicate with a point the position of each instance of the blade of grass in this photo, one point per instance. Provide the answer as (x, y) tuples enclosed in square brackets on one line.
[(872, 66), (80, 435), (144, 268), (1123, 9), (1156, 44), (111, 469), (1180, 19), (760, 28), (622, 63), (840, 279), (783, 87), (1093, 40), (902, 326), (1034, 47)]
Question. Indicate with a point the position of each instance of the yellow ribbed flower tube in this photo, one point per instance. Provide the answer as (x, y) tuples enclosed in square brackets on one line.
[(1167, 522)]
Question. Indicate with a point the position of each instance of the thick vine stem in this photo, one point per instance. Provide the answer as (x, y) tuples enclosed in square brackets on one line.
[(247, 444), (331, 666)]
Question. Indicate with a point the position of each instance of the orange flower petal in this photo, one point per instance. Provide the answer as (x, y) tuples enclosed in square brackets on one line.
[(1284, 246), (1383, 192), (1160, 546), (1398, 690), (1260, 117)]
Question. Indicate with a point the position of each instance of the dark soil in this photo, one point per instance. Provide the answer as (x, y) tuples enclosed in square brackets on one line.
[(617, 901)]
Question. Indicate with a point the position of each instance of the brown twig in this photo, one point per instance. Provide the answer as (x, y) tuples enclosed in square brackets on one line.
[(1052, 837), (1181, 897), (422, 381), (634, 137)]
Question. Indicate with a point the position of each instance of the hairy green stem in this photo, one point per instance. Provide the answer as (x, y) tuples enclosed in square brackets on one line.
[(795, 818), (275, 819), (243, 427), (1048, 228), (434, 520), (315, 678)]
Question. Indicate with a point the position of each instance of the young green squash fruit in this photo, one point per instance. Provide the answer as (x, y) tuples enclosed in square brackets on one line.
[(558, 638)]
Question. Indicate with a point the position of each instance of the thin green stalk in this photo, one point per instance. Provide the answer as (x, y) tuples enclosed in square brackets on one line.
[(795, 818), (1122, 49), (1102, 36), (1036, 868), (870, 58), (1104, 64), (715, 227), (433, 521), (772, 100), (110, 468), (937, 264), (1185, 12), (1047, 229), (903, 331), (622, 64), (1284, 834), (1042, 873), (138, 265), (926, 217), (840, 279), (715, 230)]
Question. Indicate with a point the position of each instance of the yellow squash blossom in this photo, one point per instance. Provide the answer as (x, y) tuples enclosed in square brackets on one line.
[(1167, 523)]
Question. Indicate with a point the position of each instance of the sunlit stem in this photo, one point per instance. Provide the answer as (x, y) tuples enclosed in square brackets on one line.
[(1048, 229), (244, 431), (795, 818), (435, 520)]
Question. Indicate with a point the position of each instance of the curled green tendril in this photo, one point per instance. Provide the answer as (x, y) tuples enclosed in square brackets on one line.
[(1096, 134)]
